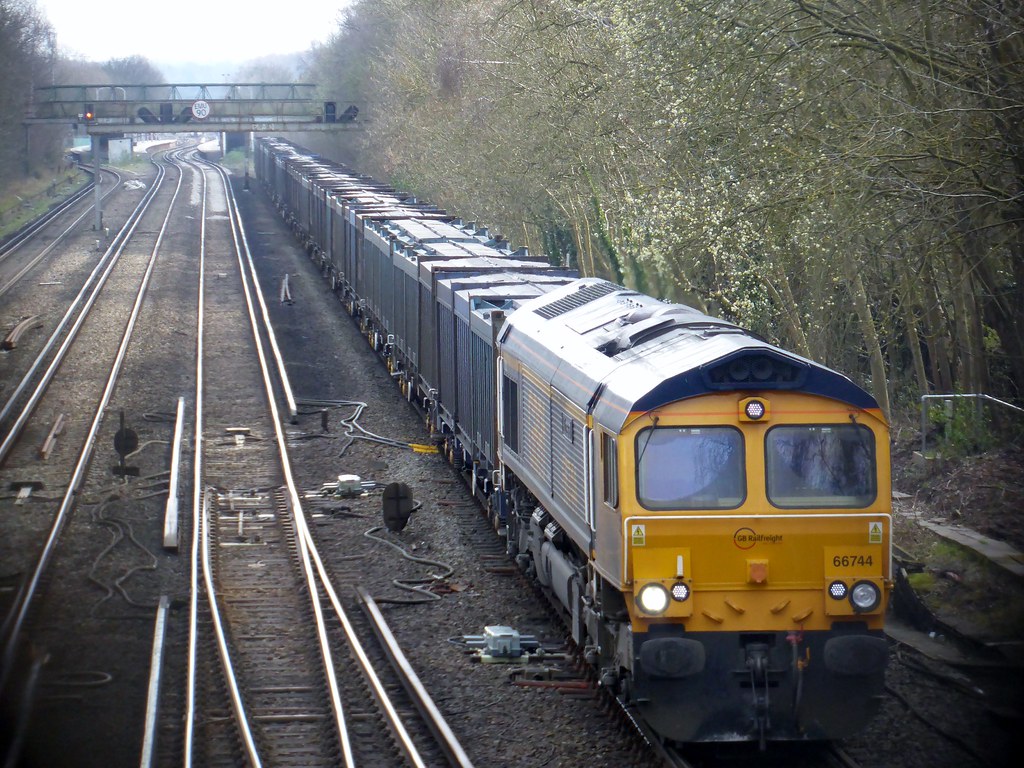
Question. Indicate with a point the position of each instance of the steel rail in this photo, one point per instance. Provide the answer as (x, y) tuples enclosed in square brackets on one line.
[(223, 650), (309, 550), (244, 244), (394, 719), (81, 304), (841, 756), (23, 602), (410, 680), (197, 495), (308, 555), (33, 227), (171, 507), (106, 264), (669, 757), (156, 664), (201, 545), (293, 494)]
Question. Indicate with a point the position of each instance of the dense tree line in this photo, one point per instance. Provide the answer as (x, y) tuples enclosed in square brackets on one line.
[(30, 59), (27, 60), (843, 176)]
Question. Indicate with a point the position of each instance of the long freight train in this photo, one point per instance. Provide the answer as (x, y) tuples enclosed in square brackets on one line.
[(711, 511)]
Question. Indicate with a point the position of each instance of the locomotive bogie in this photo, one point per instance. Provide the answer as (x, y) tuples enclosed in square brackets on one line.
[(781, 686)]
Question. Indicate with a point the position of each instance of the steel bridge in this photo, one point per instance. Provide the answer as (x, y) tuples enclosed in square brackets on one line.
[(105, 111), (190, 107)]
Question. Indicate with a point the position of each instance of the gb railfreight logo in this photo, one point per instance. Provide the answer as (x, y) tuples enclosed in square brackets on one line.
[(746, 538)]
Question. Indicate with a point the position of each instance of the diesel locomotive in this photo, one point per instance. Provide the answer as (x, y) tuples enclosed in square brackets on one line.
[(711, 512)]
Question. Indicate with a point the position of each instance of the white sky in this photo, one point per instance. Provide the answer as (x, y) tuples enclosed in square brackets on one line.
[(98, 30)]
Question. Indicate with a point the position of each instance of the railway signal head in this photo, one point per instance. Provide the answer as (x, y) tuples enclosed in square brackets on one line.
[(88, 114)]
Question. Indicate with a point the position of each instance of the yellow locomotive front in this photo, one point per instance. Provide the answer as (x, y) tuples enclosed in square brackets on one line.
[(755, 534)]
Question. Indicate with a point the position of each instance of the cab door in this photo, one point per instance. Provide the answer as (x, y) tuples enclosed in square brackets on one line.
[(607, 518)]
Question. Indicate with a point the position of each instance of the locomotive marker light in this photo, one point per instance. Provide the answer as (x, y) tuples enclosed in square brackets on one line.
[(837, 590), (653, 599), (865, 596), (680, 591), (754, 409)]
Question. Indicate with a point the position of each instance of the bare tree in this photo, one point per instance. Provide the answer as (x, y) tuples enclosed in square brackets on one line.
[(844, 177), (26, 60), (133, 70)]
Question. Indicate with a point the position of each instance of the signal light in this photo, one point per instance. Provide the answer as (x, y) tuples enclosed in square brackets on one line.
[(88, 114)]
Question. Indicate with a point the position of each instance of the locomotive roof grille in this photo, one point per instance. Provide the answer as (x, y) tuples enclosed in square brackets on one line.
[(584, 295), (651, 328)]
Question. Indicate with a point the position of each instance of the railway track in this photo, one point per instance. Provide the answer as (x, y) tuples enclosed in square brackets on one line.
[(73, 380), (48, 357), (38, 239), (270, 693), (269, 604)]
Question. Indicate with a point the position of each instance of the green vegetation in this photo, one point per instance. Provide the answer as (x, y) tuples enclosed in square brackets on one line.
[(963, 428), (237, 161), (33, 197), (843, 177), (29, 58), (923, 582), (970, 592), (137, 163), (26, 58)]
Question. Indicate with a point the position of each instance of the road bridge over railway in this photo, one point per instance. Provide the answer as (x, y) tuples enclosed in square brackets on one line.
[(117, 110)]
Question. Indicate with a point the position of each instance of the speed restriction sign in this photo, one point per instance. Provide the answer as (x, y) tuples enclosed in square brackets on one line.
[(200, 109)]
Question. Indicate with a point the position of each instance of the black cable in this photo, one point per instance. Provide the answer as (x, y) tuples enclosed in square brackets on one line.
[(412, 585)]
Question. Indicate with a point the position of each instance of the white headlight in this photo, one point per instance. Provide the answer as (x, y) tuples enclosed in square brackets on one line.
[(865, 596), (652, 598)]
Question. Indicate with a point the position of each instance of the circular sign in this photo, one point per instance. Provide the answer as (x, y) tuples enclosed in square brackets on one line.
[(200, 109), (126, 441)]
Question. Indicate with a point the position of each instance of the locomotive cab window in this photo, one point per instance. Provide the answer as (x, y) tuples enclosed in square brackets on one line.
[(609, 461), (510, 412), (820, 466), (690, 468)]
